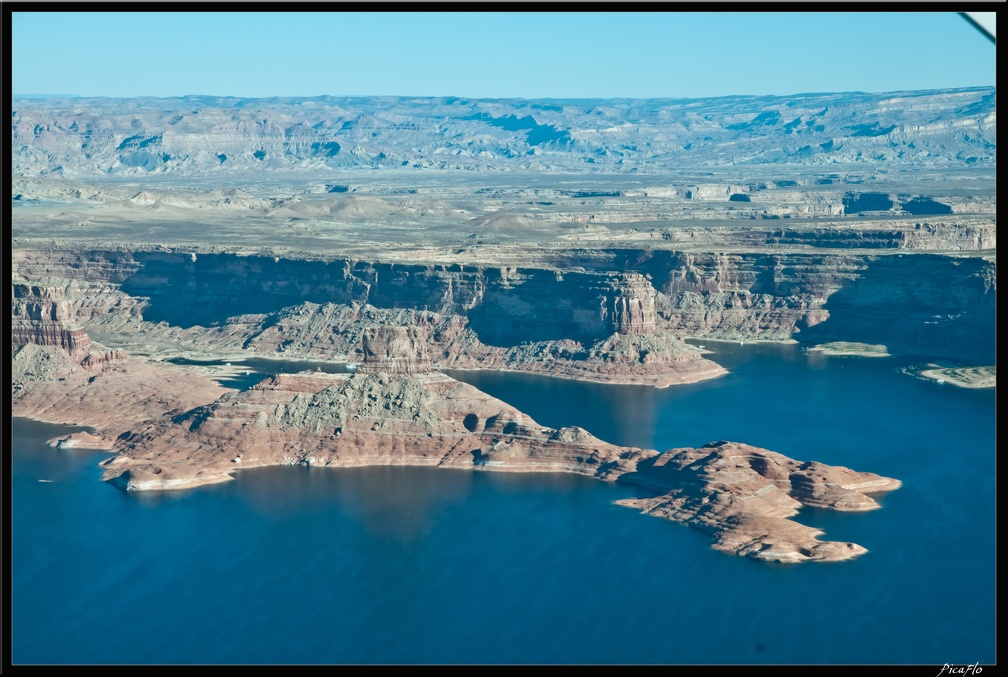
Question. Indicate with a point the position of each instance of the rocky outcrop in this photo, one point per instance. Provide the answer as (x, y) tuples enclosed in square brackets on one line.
[(657, 359), (42, 316), (744, 496), (153, 477), (294, 383), (631, 305), (49, 385), (31, 362), (381, 398), (100, 361), (395, 350), (73, 341), (81, 440)]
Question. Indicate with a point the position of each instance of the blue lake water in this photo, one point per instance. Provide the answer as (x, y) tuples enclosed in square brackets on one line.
[(250, 370), (417, 565)]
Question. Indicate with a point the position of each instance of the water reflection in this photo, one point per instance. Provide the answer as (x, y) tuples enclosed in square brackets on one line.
[(396, 502)]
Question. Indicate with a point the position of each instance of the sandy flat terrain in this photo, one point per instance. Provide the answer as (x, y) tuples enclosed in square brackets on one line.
[(851, 348), (964, 377)]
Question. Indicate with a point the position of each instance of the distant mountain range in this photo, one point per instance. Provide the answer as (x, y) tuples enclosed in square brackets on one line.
[(206, 135)]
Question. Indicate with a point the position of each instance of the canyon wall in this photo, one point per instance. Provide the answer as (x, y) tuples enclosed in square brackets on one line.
[(42, 316), (395, 350), (916, 303)]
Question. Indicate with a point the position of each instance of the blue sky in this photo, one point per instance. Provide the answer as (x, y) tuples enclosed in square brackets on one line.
[(511, 54)]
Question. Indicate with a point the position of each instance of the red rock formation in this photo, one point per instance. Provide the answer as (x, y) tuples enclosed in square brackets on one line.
[(744, 497), (73, 341), (843, 294), (100, 361), (630, 306), (291, 383), (120, 395), (41, 315), (395, 350)]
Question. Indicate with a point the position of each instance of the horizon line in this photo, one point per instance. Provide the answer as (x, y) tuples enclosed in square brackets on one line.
[(488, 98)]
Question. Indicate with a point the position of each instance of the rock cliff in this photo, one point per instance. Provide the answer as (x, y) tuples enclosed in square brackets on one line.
[(925, 304), (395, 350), (41, 316), (631, 305)]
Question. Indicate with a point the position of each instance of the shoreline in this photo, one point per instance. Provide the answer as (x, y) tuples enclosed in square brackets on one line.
[(82, 440), (659, 384), (784, 341), (850, 349), (974, 378), (211, 369)]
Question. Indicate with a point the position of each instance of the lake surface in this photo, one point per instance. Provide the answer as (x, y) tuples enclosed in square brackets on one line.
[(419, 565), (245, 372)]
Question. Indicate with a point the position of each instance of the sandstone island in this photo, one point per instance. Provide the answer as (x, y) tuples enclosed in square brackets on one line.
[(409, 237)]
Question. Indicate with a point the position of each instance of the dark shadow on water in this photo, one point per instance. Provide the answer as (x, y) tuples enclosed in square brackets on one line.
[(864, 202), (924, 205), (921, 304)]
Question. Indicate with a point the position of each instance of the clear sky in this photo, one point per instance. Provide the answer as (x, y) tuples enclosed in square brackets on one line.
[(511, 54)]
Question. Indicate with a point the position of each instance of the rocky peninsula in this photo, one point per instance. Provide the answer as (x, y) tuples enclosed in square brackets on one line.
[(169, 431)]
